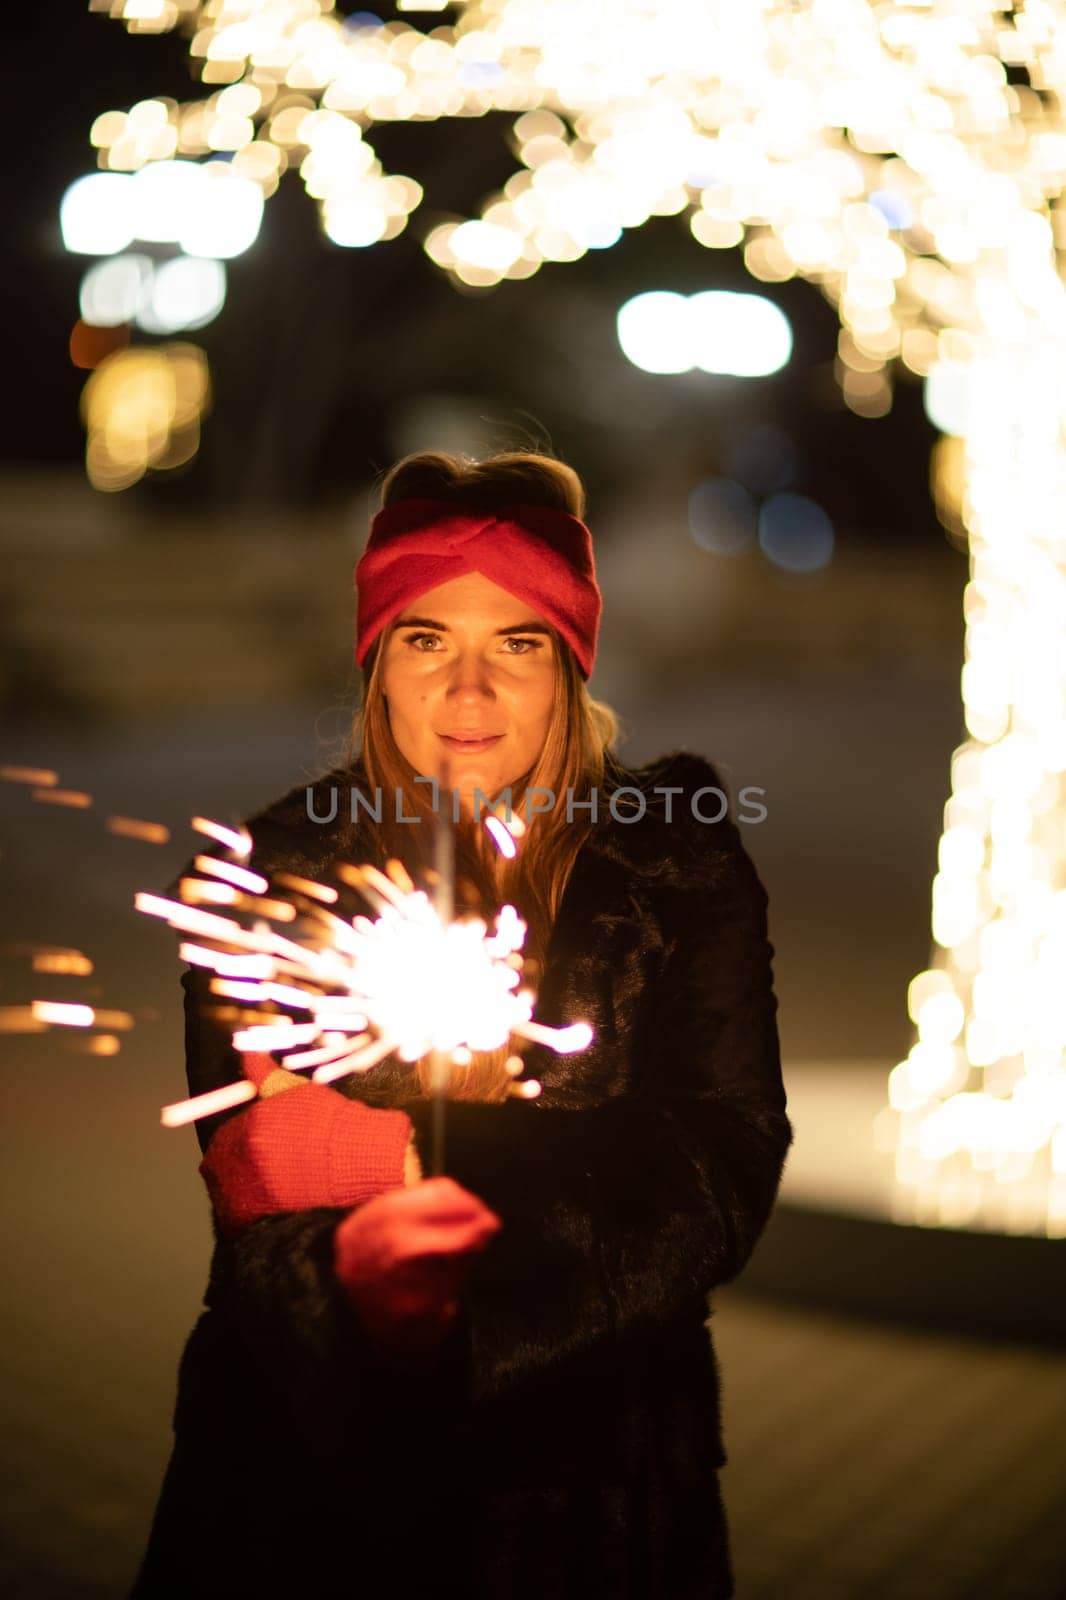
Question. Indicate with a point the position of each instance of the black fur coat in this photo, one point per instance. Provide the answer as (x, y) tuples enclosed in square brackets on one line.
[(567, 1442)]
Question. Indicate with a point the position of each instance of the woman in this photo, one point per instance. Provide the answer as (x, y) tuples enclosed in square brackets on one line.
[(500, 1382)]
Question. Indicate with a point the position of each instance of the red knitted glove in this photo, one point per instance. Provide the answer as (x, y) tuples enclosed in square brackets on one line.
[(403, 1259), (308, 1147)]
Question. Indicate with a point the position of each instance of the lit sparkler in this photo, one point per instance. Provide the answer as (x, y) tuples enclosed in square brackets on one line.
[(411, 979)]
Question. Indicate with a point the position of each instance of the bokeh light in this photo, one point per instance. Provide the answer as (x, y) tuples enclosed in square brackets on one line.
[(96, 215), (739, 335), (112, 291), (142, 409), (723, 516), (161, 298), (655, 332), (945, 394), (736, 335), (183, 294), (205, 207), (795, 533)]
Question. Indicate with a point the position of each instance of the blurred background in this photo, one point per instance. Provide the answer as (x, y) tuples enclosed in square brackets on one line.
[(176, 638)]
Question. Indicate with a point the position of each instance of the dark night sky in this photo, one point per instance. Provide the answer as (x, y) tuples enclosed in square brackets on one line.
[(306, 382)]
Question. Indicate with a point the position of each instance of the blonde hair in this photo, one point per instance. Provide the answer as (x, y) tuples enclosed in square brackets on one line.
[(577, 751)]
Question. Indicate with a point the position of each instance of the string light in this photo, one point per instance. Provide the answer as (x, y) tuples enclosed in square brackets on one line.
[(880, 152)]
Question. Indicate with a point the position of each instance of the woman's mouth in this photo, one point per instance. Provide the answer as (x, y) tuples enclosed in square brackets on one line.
[(470, 747)]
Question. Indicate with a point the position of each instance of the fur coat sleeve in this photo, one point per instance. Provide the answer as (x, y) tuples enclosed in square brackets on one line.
[(620, 1207)]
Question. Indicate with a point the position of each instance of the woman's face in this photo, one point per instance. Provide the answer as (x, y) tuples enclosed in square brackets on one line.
[(469, 675)]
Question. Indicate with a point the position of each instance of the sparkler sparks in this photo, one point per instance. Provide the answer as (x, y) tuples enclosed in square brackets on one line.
[(411, 979), (407, 980), (70, 1018)]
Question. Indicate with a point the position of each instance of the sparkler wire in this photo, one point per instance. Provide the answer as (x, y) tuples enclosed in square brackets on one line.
[(444, 904)]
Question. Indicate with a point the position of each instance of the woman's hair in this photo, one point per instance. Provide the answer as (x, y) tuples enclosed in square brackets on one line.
[(578, 749)]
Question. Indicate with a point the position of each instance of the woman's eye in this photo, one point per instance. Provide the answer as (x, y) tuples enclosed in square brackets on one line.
[(418, 642)]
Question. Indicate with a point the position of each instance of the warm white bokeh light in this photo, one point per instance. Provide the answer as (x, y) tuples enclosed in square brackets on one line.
[(655, 332), (112, 290), (224, 218), (96, 215), (737, 335), (205, 207), (183, 294)]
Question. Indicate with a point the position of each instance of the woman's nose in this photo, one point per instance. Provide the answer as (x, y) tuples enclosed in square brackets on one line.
[(470, 677)]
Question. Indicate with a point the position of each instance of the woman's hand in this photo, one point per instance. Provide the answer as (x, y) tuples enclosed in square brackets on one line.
[(412, 1163), (311, 1147), (403, 1258), (272, 1079), (268, 1077)]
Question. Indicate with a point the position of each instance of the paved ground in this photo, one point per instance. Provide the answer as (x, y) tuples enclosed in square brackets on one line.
[(864, 1463), (868, 1463)]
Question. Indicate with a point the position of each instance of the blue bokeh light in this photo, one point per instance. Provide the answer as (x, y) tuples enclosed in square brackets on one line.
[(893, 206), (795, 533), (722, 517)]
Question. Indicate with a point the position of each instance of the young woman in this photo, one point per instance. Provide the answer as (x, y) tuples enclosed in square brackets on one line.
[(500, 1382)]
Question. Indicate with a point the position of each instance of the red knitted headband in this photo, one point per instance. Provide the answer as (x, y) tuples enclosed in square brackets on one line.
[(536, 553)]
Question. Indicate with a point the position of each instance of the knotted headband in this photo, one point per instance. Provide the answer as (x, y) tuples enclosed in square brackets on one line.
[(540, 555)]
